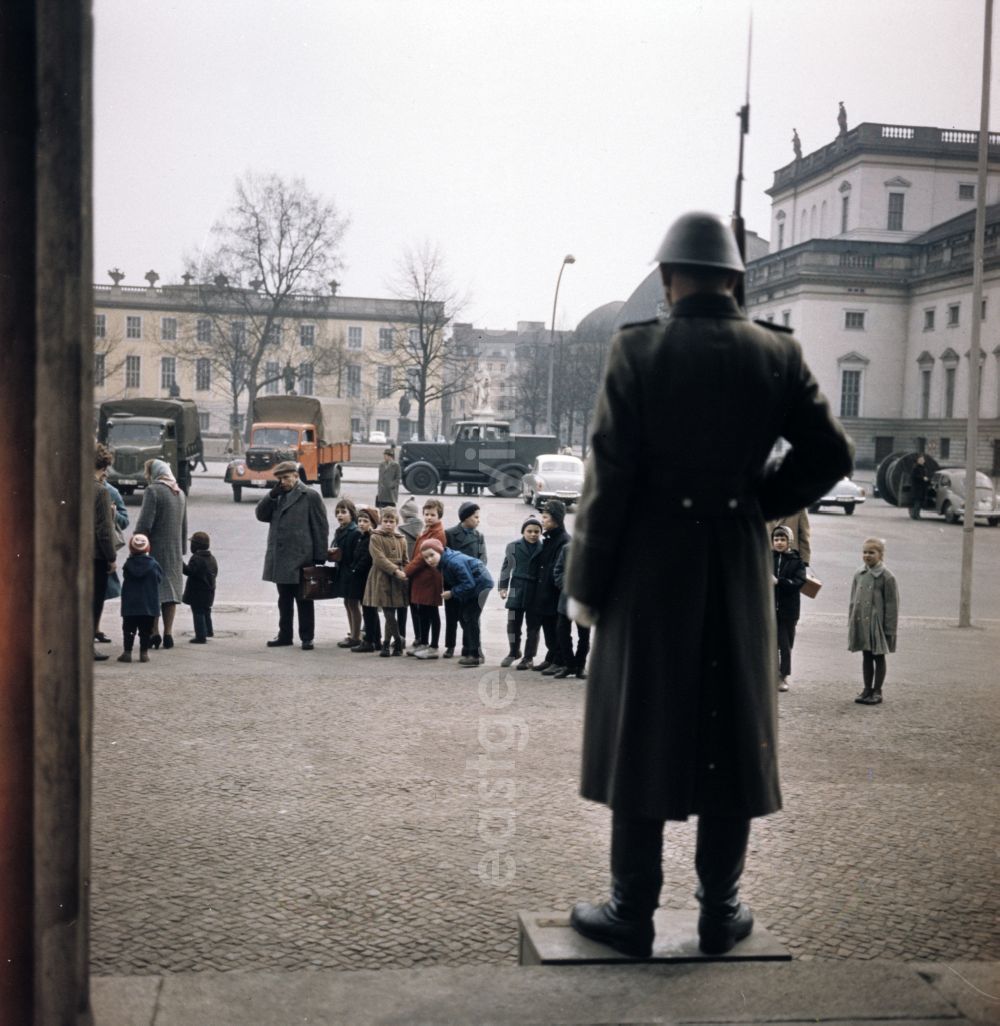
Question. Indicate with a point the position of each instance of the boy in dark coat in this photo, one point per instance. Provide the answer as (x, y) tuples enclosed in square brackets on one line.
[(141, 576), (464, 537), (201, 571), (368, 519), (341, 552), (546, 601), (789, 576), (468, 583), (518, 575), (570, 662)]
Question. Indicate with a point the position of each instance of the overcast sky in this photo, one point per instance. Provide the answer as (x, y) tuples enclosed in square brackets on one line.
[(509, 132)]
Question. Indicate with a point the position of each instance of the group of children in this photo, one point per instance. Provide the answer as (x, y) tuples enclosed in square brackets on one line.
[(405, 567), (396, 567), (872, 616)]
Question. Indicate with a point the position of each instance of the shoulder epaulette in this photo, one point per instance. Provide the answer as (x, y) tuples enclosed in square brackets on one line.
[(775, 327), (640, 324)]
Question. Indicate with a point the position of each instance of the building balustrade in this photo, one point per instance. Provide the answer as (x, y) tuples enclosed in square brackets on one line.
[(876, 137), (823, 256)]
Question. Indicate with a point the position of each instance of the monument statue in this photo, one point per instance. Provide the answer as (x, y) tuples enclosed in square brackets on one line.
[(842, 119), (796, 144), (481, 392)]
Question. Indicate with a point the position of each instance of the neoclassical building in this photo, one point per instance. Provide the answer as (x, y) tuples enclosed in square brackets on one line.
[(158, 341), (870, 263)]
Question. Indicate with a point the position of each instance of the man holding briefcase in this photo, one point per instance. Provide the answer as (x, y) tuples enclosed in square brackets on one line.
[(296, 538)]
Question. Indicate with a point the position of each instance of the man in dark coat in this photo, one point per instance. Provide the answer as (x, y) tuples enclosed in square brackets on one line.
[(388, 481), (680, 715), (297, 537), (919, 483)]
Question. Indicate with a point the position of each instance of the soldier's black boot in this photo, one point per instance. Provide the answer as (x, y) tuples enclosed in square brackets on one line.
[(719, 858), (625, 921)]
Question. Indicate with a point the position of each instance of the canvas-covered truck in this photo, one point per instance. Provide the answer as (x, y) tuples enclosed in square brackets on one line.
[(314, 433), (145, 429), (483, 454)]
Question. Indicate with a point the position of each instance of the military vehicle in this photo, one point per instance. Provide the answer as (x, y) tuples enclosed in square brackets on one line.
[(483, 454), (144, 429)]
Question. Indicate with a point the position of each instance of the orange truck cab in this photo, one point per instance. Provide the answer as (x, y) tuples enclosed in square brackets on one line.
[(314, 433)]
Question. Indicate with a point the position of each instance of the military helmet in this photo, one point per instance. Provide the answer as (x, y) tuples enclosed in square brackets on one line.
[(700, 240)]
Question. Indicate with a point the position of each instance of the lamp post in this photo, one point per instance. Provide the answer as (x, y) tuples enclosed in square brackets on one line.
[(567, 259)]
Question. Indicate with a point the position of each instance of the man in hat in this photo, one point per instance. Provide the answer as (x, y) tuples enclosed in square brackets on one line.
[(681, 711), (388, 480), (298, 535)]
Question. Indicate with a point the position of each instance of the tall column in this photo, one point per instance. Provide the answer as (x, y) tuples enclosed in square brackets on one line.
[(46, 386)]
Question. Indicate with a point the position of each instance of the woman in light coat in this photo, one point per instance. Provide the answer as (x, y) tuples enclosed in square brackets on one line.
[(163, 519)]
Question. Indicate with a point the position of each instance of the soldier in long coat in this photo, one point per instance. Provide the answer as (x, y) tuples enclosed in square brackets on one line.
[(296, 537), (681, 706)]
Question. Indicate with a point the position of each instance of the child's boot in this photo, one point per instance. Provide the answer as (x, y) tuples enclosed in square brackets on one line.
[(125, 657), (143, 655), (514, 653), (875, 698), (865, 697), (385, 651)]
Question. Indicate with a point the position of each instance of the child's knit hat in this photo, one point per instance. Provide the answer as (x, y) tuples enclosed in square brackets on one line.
[(371, 513), (432, 543), (556, 509), (138, 544), (786, 531), (409, 509), (531, 520), (467, 509)]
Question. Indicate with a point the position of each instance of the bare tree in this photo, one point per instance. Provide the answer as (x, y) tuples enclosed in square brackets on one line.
[(424, 349), (531, 384), (275, 250), (109, 359)]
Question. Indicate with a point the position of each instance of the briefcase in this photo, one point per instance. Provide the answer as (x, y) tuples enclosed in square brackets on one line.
[(316, 582), (812, 585)]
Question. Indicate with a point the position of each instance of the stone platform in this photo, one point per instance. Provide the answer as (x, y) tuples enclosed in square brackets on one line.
[(546, 938)]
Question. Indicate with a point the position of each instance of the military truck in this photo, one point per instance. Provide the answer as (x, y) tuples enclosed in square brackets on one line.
[(145, 429), (314, 433), (483, 454)]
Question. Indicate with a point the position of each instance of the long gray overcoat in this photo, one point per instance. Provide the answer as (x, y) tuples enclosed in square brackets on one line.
[(681, 711), (297, 533), (163, 519)]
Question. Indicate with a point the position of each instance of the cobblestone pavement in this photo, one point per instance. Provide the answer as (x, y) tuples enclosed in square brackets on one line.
[(263, 808)]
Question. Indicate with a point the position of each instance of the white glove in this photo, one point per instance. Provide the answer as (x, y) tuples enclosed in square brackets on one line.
[(585, 616)]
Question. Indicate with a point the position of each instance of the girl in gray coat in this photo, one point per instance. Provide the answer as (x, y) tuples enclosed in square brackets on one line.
[(872, 618)]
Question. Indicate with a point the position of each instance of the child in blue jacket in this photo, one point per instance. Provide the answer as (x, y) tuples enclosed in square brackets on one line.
[(141, 576), (467, 582)]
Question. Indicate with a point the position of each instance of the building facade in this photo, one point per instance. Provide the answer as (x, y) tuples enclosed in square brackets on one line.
[(194, 341), (870, 263)]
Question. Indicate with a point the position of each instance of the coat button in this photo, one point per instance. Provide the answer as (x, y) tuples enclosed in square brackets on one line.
[(686, 502), (733, 503), (711, 765)]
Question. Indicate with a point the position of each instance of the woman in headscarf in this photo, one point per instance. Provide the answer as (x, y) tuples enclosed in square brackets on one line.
[(163, 519)]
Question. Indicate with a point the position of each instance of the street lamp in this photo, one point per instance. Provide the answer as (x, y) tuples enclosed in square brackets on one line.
[(567, 259)]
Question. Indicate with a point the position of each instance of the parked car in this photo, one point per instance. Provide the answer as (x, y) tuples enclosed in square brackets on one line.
[(845, 494), (377, 437), (553, 476), (947, 492)]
